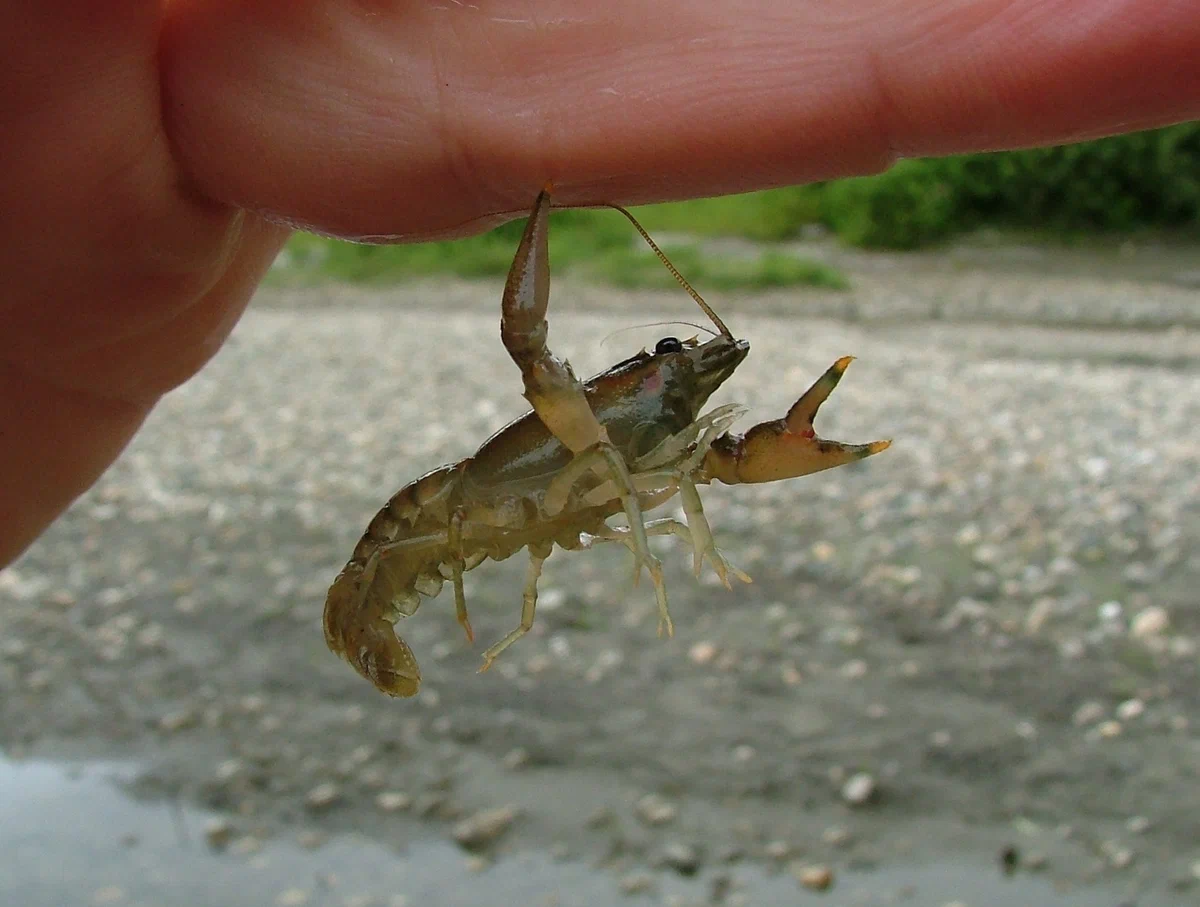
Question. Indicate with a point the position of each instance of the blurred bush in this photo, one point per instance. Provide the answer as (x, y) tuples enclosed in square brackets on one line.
[(1143, 180)]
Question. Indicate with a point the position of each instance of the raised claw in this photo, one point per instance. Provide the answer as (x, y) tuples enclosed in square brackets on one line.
[(550, 385), (788, 447)]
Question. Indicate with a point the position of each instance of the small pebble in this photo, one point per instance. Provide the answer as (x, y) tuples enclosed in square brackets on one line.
[(814, 878), (1118, 857), (859, 789), (823, 552), (1148, 622), (392, 801), (1130, 708), (247, 845), (178, 720), (229, 769), (481, 830), (551, 599), (655, 810), (218, 833), (702, 653), (636, 883), (323, 796), (837, 836), (1137, 825), (778, 849), (1036, 862), (854, 669), (683, 858)]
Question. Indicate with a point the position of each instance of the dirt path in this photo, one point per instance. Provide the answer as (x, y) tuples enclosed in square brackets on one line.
[(984, 639)]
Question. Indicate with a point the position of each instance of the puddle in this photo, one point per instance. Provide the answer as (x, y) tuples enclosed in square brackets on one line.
[(69, 835)]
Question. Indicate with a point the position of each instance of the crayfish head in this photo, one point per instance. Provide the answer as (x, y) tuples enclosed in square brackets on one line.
[(712, 363)]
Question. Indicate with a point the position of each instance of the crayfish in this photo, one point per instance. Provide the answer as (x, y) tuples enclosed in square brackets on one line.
[(626, 441)]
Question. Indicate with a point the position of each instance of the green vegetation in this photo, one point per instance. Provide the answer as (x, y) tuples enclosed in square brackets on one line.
[(596, 244), (1114, 185), (1147, 180), (634, 269), (767, 216)]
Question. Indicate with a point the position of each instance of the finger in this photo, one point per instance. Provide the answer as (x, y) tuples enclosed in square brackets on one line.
[(59, 435), (112, 260), (120, 279), (418, 120)]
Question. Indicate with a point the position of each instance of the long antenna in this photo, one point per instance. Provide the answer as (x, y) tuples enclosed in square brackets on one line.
[(674, 271)]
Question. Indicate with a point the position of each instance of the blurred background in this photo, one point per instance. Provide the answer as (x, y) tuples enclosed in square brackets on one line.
[(965, 673)]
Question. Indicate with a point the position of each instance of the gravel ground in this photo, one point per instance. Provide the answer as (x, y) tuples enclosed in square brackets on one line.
[(985, 637)]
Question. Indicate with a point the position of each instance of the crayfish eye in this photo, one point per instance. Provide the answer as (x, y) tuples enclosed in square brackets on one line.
[(668, 345)]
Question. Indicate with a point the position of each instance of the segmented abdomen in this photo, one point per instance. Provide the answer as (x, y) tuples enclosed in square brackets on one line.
[(398, 559)]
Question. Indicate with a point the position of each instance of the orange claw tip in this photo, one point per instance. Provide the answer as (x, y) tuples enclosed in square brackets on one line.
[(878, 447), (844, 363)]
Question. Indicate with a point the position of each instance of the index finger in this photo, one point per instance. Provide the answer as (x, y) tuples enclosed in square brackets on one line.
[(418, 120)]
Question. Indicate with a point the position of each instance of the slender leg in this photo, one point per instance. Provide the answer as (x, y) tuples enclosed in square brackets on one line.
[(666, 526), (703, 544), (454, 537), (537, 557), (628, 539), (556, 395), (669, 526)]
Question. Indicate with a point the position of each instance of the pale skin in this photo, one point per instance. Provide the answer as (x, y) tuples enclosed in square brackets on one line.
[(142, 143)]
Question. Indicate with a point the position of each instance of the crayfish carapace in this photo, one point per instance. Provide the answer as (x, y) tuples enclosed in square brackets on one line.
[(626, 441)]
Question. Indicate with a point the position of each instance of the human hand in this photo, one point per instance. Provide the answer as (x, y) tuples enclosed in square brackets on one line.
[(151, 149)]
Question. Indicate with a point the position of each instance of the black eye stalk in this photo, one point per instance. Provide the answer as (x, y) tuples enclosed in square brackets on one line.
[(668, 345)]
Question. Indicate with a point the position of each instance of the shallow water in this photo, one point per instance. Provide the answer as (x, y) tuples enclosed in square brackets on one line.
[(71, 835)]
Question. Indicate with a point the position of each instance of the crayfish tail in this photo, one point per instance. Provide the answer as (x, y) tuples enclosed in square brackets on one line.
[(365, 638)]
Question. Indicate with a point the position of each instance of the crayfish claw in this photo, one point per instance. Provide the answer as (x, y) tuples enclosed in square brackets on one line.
[(789, 447), (804, 410)]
